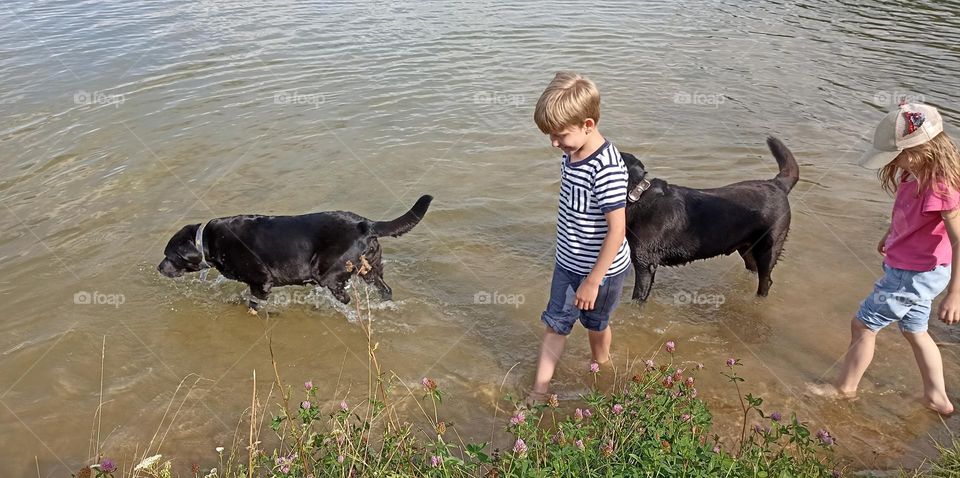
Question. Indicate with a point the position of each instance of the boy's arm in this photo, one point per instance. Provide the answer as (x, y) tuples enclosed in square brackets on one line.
[(616, 231), (950, 306)]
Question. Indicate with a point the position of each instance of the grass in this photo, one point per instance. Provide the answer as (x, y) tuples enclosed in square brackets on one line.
[(652, 424)]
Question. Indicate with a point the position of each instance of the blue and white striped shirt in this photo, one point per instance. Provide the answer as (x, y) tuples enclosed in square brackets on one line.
[(589, 189)]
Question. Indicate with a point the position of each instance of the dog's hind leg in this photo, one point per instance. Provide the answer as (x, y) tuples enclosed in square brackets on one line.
[(748, 260), (643, 284), (386, 293), (767, 252), (374, 276), (763, 253)]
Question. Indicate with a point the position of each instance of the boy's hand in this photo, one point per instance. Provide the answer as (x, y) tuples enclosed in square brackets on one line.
[(950, 308), (587, 294)]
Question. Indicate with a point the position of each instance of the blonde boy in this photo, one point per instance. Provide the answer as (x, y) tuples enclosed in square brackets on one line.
[(592, 252)]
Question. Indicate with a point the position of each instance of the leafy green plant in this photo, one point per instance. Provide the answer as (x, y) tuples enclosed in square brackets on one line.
[(653, 424)]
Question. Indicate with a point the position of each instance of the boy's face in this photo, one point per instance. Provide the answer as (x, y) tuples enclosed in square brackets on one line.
[(572, 138)]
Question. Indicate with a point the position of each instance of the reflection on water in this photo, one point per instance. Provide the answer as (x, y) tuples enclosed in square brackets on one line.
[(124, 121)]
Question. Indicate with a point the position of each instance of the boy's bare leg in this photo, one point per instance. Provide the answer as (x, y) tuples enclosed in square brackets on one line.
[(600, 345), (931, 369), (859, 355), (550, 352)]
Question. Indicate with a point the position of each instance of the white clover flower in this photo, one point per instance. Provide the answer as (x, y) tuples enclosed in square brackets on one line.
[(148, 462)]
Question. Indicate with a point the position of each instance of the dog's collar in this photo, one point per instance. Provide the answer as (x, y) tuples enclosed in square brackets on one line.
[(634, 194), (198, 242)]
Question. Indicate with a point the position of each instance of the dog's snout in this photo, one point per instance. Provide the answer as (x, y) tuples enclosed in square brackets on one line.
[(167, 268)]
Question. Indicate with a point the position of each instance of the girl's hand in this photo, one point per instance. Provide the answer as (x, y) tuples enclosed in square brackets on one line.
[(950, 306), (950, 309), (586, 294), (882, 247)]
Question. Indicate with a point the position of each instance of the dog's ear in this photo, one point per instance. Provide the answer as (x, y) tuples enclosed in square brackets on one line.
[(631, 160), (635, 169), (184, 238), (188, 232)]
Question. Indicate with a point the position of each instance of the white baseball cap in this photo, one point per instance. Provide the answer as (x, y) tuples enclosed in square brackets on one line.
[(912, 124)]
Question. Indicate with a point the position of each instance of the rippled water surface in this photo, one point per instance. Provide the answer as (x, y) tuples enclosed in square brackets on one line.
[(122, 121)]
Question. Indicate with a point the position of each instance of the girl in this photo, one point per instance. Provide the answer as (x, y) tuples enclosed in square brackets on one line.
[(919, 163)]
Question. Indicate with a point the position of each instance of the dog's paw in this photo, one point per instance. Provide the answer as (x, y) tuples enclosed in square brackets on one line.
[(253, 312)]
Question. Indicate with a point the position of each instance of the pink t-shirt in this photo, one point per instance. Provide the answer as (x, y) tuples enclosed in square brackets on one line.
[(918, 239)]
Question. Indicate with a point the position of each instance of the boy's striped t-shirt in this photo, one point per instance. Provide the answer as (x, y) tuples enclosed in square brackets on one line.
[(589, 189)]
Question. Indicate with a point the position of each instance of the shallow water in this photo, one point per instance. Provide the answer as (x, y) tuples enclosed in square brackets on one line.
[(123, 121)]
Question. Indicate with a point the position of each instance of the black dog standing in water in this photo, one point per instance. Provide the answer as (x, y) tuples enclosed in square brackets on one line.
[(670, 225), (272, 251)]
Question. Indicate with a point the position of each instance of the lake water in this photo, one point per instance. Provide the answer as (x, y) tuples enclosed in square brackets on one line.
[(125, 120)]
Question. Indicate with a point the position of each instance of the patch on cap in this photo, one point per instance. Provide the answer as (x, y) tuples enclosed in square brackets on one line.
[(914, 121)]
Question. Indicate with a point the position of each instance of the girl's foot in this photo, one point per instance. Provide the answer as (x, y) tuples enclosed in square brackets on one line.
[(940, 405)]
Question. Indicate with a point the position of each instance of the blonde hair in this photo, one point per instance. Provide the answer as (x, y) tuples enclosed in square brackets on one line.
[(935, 163), (568, 101)]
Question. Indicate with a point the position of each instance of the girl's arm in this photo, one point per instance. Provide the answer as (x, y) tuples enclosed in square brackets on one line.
[(950, 306)]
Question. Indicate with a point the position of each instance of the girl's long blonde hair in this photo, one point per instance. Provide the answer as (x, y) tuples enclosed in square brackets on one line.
[(935, 164)]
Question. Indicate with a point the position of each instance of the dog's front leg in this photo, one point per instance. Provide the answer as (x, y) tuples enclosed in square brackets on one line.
[(260, 292), (643, 284), (339, 291), (337, 285)]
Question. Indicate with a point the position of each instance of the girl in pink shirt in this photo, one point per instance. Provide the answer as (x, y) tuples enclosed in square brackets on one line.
[(919, 163)]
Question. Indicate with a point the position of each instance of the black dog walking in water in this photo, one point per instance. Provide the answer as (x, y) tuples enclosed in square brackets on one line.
[(272, 251), (669, 225)]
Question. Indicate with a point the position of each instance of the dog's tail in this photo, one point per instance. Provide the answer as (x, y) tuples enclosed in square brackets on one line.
[(404, 223), (789, 171)]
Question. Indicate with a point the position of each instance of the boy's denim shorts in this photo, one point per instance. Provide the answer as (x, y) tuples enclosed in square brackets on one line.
[(561, 314), (904, 297)]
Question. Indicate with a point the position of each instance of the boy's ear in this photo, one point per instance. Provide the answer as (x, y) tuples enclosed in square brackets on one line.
[(589, 123)]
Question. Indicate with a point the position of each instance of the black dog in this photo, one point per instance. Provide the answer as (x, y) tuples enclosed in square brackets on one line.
[(670, 225), (272, 251)]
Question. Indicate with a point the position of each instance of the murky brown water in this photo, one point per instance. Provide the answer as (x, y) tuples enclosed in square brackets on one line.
[(123, 121)]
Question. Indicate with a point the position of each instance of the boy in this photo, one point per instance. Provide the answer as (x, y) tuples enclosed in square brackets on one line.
[(592, 252)]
